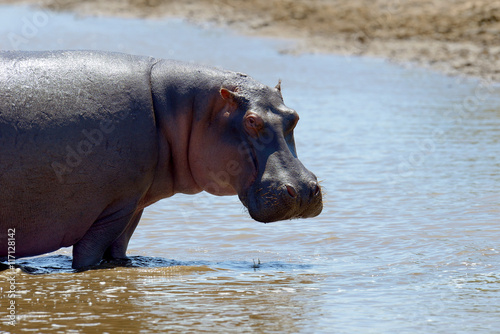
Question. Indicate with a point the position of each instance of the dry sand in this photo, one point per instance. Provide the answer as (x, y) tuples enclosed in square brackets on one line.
[(459, 37)]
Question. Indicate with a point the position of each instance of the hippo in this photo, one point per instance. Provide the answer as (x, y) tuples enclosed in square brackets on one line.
[(89, 139)]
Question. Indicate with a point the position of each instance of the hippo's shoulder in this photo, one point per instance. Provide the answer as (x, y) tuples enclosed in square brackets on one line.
[(188, 69), (181, 73)]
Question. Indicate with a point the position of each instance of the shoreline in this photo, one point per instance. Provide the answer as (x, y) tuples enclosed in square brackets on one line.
[(454, 37)]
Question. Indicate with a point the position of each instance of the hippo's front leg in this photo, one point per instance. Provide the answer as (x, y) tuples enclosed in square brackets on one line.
[(107, 229), (118, 248)]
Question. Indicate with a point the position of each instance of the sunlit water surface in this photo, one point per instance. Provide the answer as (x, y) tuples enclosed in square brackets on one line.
[(408, 240)]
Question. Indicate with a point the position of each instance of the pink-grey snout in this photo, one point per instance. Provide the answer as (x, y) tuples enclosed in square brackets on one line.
[(285, 193)]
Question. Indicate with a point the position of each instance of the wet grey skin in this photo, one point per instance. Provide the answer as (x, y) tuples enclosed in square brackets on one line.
[(89, 139)]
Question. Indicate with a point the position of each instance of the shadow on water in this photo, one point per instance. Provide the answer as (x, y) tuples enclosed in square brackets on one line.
[(58, 263)]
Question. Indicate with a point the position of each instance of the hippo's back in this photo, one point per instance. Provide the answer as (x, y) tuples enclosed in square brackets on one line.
[(49, 86), (77, 132)]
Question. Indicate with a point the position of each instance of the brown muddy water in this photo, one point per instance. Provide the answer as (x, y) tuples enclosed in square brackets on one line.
[(408, 241)]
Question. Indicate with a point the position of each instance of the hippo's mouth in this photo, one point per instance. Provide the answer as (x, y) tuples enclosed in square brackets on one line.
[(267, 204)]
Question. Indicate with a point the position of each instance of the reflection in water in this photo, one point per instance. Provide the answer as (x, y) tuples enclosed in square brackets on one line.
[(158, 299), (407, 241)]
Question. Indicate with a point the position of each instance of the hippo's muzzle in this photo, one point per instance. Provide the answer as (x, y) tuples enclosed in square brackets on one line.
[(283, 193)]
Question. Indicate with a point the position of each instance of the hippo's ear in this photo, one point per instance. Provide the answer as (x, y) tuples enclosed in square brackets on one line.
[(278, 88), (228, 95)]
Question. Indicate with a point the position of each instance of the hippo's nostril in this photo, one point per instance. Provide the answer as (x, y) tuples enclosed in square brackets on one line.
[(315, 188), (291, 191)]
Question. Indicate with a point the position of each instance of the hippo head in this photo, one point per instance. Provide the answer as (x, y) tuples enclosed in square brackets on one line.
[(249, 150)]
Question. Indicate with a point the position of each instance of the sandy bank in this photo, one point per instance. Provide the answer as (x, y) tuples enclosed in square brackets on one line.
[(460, 37)]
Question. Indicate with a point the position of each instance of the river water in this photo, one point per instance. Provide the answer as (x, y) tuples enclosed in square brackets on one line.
[(408, 241)]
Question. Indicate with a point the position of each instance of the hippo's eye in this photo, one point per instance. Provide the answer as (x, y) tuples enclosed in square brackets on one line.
[(253, 124)]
